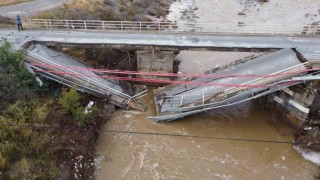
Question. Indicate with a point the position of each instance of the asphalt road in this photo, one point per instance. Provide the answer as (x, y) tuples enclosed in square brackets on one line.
[(30, 8)]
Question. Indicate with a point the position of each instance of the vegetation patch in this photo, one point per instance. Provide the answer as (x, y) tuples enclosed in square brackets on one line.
[(43, 137), (25, 151), (73, 137), (16, 83), (70, 102)]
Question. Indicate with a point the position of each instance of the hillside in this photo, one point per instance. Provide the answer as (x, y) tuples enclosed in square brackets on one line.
[(108, 10)]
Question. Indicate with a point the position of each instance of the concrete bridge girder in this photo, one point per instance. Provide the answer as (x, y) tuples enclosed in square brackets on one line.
[(188, 96), (66, 70)]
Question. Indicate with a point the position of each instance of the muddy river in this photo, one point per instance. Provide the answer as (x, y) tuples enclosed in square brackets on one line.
[(133, 147), (241, 142)]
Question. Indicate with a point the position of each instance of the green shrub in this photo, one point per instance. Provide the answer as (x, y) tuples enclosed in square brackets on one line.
[(15, 81), (80, 117), (69, 100), (24, 152)]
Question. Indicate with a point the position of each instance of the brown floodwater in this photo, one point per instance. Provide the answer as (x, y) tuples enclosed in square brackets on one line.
[(239, 142), (126, 155)]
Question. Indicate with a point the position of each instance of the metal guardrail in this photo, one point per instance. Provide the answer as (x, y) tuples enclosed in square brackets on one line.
[(196, 110), (86, 79), (90, 25), (82, 82), (200, 109)]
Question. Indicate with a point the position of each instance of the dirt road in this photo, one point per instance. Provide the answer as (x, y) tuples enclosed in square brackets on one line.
[(30, 8)]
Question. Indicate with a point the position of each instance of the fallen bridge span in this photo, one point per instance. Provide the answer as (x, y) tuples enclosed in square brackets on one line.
[(232, 85), (117, 92)]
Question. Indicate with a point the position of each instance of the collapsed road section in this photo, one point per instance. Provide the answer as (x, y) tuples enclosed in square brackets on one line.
[(66, 70), (230, 85)]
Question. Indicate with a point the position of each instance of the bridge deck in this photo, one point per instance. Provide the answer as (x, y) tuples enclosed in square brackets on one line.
[(162, 39), (172, 100), (67, 70)]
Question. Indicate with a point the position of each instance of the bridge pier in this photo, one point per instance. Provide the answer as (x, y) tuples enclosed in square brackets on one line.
[(155, 61)]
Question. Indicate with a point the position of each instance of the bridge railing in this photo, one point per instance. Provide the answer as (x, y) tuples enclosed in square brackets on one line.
[(87, 25), (181, 100)]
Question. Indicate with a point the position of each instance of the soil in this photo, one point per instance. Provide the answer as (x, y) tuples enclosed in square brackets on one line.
[(308, 136), (309, 140), (74, 146), (105, 58), (6, 22)]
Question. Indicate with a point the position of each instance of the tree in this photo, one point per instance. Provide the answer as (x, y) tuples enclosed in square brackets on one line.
[(15, 81), (69, 100)]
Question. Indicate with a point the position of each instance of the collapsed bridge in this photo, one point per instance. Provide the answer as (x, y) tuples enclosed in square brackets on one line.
[(293, 59)]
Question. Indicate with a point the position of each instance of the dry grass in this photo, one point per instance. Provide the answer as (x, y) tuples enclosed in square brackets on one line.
[(11, 2), (112, 10)]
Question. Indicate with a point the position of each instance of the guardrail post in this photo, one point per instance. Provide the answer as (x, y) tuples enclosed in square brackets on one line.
[(103, 25), (67, 26), (85, 25), (46, 24), (140, 26), (159, 26), (29, 23), (202, 98), (50, 23), (226, 96), (121, 26), (315, 30)]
